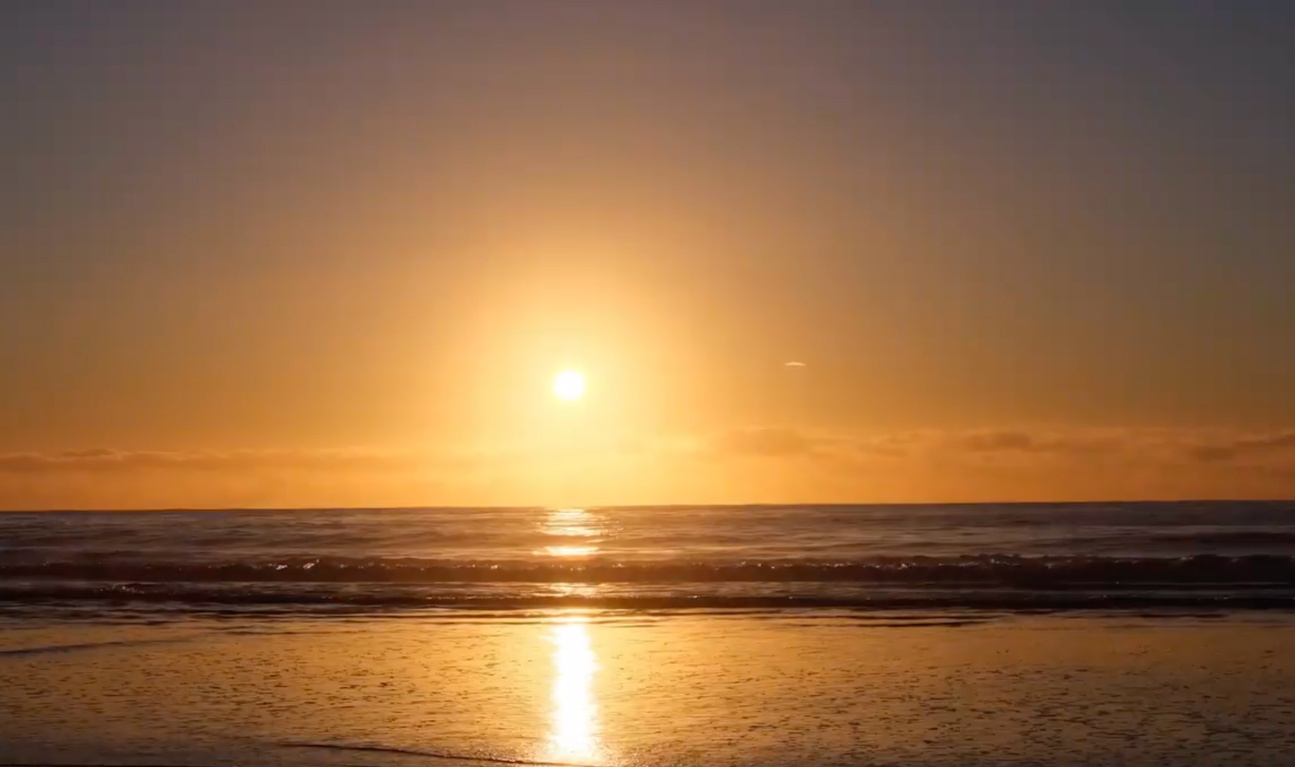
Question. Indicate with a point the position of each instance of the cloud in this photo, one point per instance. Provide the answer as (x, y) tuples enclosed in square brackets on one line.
[(784, 441), (752, 463), (1132, 450), (1143, 446), (998, 441), (104, 460), (1043, 442), (769, 441), (1244, 447), (101, 478)]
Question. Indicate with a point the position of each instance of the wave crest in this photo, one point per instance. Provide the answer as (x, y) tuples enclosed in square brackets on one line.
[(1004, 570)]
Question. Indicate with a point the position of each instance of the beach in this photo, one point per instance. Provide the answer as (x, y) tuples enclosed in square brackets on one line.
[(941, 688), (997, 634)]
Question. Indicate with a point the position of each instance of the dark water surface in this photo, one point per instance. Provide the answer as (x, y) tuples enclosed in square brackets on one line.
[(1060, 556)]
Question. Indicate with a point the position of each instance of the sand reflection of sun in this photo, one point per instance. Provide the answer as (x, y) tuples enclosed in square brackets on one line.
[(574, 721)]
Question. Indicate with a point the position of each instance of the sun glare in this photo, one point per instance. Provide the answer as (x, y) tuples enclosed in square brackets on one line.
[(569, 385), (574, 735)]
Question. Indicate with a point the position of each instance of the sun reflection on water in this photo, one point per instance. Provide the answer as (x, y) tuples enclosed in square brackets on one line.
[(576, 524), (570, 551), (573, 732), (573, 735)]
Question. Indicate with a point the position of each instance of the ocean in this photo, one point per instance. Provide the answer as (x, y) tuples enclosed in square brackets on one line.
[(1002, 634)]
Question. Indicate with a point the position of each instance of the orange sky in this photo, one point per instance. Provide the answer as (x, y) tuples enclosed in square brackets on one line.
[(268, 257)]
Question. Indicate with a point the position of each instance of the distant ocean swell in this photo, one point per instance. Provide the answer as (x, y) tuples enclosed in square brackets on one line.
[(1212, 555), (248, 599), (1000, 570), (980, 582)]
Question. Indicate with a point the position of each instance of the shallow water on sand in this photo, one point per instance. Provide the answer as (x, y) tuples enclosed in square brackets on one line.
[(786, 688)]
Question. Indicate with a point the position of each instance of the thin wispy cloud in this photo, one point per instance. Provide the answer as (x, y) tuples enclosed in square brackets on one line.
[(746, 462)]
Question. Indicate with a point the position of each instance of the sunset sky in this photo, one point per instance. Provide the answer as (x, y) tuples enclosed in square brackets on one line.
[(327, 253)]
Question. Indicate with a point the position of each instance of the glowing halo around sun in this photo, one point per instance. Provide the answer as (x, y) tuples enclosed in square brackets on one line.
[(569, 385)]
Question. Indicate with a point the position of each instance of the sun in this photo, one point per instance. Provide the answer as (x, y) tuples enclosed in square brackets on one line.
[(569, 385)]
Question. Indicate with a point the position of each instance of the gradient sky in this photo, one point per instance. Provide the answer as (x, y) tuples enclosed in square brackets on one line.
[(330, 253)]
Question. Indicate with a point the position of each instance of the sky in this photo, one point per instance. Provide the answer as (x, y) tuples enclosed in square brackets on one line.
[(327, 253)]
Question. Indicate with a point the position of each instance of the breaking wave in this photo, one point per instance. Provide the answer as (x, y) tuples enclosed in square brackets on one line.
[(1012, 583), (989, 569)]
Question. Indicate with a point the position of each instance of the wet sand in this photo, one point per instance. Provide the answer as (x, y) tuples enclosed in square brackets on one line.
[(936, 689)]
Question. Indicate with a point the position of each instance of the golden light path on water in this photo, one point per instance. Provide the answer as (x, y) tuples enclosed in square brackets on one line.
[(573, 724), (570, 551), (571, 523)]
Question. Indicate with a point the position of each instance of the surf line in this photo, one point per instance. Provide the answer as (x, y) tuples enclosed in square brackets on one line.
[(437, 755)]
